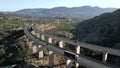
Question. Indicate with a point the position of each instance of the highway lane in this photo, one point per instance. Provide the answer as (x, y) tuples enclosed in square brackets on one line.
[(88, 62)]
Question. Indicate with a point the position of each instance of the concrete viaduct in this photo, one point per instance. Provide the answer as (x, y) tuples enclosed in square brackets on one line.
[(36, 40)]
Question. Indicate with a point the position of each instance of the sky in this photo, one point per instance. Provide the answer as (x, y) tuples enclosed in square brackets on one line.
[(14, 5)]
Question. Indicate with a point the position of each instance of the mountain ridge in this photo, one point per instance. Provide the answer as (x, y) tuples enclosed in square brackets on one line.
[(101, 30), (85, 12)]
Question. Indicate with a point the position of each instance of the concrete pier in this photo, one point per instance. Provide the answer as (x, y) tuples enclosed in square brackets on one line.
[(42, 37), (105, 55), (61, 44), (68, 64), (78, 52), (51, 55), (34, 48), (29, 43), (40, 48), (40, 51)]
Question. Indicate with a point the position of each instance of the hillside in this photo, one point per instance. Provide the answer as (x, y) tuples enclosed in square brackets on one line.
[(84, 12), (103, 30), (9, 23), (12, 50)]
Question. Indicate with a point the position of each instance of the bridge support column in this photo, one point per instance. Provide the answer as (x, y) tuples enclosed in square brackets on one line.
[(37, 34), (27, 40), (61, 44), (51, 58), (29, 43), (40, 51), (68, 64), (42, 37), (51, 55), (50, 40), (33, 32), (40, 48), (105, 54), (78, 52), (34, 47)]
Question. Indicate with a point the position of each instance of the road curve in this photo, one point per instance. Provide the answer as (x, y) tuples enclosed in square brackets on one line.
[(85, 45), (85, 61)]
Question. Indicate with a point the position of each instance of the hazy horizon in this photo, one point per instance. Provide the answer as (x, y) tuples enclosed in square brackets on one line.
[(57, 7), (14, 5)]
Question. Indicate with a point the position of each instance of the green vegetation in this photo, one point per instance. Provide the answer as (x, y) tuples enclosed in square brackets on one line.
[(8, 23), (12, 50), (14, 55), (103, 30)]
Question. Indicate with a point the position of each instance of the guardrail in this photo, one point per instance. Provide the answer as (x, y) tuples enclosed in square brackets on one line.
[(78, 58)]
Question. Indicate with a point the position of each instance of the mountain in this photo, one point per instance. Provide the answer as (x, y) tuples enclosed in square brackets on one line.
[(102, 30), (84, 12), (29, 12)]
